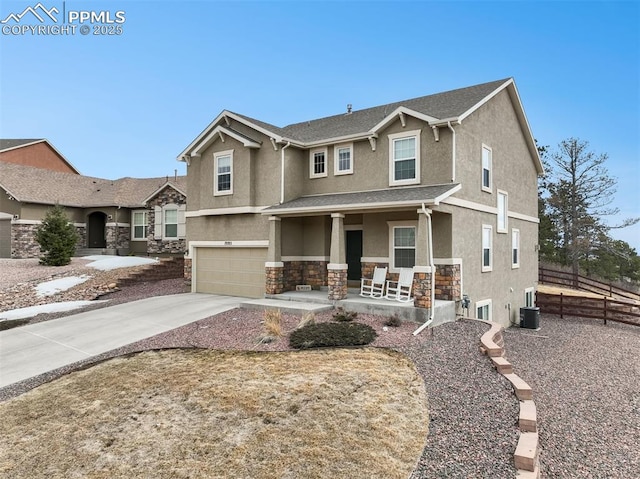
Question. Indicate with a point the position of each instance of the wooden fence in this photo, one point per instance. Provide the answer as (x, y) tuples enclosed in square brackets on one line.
[(584, 283), (607, 309)]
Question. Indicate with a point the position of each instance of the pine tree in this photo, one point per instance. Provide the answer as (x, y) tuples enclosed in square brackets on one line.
[(57, 238)]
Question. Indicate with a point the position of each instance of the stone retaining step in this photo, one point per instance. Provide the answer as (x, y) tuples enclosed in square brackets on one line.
[(535, 474), (502, 365), (527, 421), (522, 389), (526, 455)]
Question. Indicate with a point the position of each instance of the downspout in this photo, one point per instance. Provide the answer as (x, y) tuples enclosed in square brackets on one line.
[(282, 171), (433, 272), (453, 153)]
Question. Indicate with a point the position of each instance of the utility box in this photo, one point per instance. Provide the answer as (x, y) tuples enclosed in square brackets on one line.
[(530, 318)]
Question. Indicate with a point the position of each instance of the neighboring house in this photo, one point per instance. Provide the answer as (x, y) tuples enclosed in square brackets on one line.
[(38, 153), (446, 184), (125, 216)]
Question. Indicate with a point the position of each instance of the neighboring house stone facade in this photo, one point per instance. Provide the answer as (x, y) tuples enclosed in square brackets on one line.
[(445, 184), (111, 216)]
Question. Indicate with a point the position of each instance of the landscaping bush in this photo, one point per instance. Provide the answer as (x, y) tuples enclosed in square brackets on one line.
[(272, 327), (344, 316), (57, 238), (332, 334), (307, 318)]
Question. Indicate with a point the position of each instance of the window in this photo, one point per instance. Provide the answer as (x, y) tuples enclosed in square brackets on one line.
[(404, 154), (223, 168), (140, 225), (343, 159), (515, 248), (503, 204), (483, 310), (529, 297), (487, 233), (318, 163), (402, 245), (170, 221), (486, 168)]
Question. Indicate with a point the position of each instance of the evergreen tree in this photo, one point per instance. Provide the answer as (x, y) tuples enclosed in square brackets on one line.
[(57, 238)]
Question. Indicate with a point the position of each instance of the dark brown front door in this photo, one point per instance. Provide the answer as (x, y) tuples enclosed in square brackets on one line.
[(96, 236), (354, 255)]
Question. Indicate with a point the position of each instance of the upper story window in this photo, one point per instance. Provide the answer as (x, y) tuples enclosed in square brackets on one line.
[(404, 158), (503, 204), (170, 221), (318, 163), (223, 173), (515, 248), (402, 245), (487, 254), (343, 159), (486, 168), (140, 225)]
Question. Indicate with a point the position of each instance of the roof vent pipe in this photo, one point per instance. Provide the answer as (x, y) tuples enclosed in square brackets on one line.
[(349, 108)]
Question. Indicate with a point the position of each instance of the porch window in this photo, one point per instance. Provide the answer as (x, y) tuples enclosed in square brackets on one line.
[(404, 158), (404, 246), (171, 223), (515, 248), (486, 168), (487, 240), (140, 225), (318, 163), (223, 172), (483, 310), (343, 159)]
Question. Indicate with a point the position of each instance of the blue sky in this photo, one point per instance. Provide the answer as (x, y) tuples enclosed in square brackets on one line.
[(126, 105)]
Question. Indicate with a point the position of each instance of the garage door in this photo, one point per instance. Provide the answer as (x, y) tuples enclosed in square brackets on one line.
[(5, 238), (230, 271)]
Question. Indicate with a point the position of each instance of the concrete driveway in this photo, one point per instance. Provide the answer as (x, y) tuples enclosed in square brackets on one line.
[(35, 349)]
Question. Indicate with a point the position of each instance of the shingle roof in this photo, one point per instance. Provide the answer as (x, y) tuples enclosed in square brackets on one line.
[(6, 144), (36, 185), (412, 195)]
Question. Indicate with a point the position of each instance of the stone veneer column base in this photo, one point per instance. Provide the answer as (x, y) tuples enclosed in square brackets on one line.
[(188, 270), (274, 279), (422, 290), (448, 282), (337, 282)]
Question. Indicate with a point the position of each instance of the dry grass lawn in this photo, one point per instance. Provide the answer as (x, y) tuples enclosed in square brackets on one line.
[(350, 413)]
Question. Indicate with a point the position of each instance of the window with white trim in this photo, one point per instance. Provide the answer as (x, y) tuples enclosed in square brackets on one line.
[(170, 222), (223, 173), (487, 242), (483, 310), (515, 248), (343, 159), (404, 158), (486, 168), (402, 245), (529, 297), (318, 163), (503, 205), (140, 225)]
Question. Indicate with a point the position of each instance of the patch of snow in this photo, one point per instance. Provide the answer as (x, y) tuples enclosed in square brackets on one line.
[(52, 287), (107, 263), (45, 308)]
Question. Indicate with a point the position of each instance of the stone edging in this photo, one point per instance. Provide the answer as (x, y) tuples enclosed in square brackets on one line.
[(526, 456)]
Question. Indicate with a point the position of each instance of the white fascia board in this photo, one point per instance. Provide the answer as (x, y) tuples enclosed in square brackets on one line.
[(225, 211), (213, 136), (446, 194), (162, 188), (9, 193), (346, 207), (43, 140), (337, 139), (486, 99), (23, 145), (61, 155), (393, 116)]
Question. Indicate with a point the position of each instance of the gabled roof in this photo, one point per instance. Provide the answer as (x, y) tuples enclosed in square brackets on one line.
[(366, 200), (36, 185), (437, 110), (13, 144)]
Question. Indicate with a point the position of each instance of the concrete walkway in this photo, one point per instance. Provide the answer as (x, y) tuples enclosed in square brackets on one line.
[(28, 351)]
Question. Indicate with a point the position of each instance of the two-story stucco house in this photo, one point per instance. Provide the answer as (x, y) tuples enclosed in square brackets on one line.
[(445, 184)]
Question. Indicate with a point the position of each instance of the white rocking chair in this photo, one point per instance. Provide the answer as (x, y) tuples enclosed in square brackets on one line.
[(401, 290), (374, 287)]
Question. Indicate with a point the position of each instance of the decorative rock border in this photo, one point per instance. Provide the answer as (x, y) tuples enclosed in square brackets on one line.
[(526, 456)]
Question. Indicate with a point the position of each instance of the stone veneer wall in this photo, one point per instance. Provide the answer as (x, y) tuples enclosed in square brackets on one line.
[(448, 282), (313, 273), (188, 270), (337, 282), (23, 241), (274, 280), (159, 246), (118, 237), (82, 237), (422, 290)]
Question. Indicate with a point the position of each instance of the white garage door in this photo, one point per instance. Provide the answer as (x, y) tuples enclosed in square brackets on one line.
[(230, 271)]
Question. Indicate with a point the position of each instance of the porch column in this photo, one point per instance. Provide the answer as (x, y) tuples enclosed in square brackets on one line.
[(423, 274), (337, 267), (274, 267)]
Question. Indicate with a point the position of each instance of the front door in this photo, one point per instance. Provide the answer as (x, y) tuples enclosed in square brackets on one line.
[(354, 255), (96, 236)]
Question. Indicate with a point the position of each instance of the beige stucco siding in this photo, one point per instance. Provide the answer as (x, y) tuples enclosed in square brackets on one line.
[(228, 228), (308, 236), (8, 206)]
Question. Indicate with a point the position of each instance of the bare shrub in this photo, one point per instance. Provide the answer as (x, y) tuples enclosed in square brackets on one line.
[(307, 318)]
